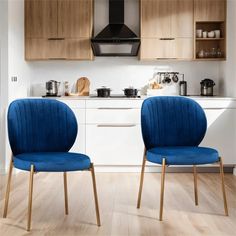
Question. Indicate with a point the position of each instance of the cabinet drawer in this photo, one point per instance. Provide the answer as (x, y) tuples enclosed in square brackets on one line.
[(113, 116), (119, 103), (77, 104), (152, 48), (80, 115), (109, 145), (58, 48), (79, 145)]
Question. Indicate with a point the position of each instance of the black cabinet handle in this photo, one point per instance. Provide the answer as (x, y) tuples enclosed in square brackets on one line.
[(56, 38), (167, 38), (59, 58)]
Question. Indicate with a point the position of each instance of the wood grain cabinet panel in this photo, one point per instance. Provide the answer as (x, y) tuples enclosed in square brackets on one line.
[(44, 49), (184, 48), (75, 18), (182, 18), (79, 49), (41, 18), (152, 48), (209, 10), (165, 25), (155, 18), (58, 29)]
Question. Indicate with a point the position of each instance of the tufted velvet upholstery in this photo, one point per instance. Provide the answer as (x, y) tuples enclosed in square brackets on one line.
[(40, 125), (172, 128), (41, 132), (183, 155), (172, 121), (52, 161)]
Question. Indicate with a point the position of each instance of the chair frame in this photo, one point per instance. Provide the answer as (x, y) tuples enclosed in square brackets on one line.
[(30, 197), (220, 162)]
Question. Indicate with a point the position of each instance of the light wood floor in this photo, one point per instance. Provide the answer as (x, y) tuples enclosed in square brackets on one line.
[(117, 196)]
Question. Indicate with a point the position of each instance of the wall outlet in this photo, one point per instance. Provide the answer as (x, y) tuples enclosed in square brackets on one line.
[(14, 79)]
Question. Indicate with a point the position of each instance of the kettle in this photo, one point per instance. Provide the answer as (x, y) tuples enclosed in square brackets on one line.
[(52, 88), (207, 87)]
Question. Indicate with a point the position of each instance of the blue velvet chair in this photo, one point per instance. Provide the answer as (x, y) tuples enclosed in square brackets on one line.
[(172, 129), (41, 133)]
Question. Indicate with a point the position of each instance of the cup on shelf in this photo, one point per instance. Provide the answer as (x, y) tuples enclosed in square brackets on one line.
[(199, 33), (217, 33), (211, 34), (204, 34)]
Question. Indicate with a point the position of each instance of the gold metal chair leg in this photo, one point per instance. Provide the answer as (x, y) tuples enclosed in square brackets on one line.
[(223, 187), (66, 193), (7, 195), (195, 184), (162, 188), (31, 182), (95, 195), (141, 180)]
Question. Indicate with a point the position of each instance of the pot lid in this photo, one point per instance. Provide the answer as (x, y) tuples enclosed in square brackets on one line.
[(207, 82)]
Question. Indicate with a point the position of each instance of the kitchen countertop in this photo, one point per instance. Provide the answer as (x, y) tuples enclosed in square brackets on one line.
[(140, 98)]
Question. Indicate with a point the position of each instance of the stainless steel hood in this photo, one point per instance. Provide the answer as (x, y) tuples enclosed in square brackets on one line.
[(116, 39)]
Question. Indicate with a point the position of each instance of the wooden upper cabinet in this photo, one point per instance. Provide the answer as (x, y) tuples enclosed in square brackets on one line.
[(210, 10), (40, 18), (155, 18), (182, 18), (75, 18)]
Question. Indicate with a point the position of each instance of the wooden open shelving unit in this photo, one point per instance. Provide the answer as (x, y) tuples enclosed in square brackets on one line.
[(213, 48)]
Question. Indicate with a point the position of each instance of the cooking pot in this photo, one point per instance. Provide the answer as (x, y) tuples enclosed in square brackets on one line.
[(103, 92), (207, 87), (130, 92)]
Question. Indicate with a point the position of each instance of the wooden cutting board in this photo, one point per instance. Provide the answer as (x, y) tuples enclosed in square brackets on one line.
[(82, 86)]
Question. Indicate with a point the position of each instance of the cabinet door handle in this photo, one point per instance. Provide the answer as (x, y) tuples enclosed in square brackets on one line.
[(167, 38), (116, 125), (59, 58), (114, 108), (56, 38)]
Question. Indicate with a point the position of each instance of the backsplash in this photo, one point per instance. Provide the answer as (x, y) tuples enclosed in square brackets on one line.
[(118, 73)]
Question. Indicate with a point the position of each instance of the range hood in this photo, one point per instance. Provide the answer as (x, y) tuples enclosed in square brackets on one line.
[(116, 39)]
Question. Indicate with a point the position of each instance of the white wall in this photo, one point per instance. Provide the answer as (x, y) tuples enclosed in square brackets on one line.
[(117, 73), (3, 76), (228, 68)]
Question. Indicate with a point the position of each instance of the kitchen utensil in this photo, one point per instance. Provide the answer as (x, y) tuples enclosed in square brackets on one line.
[(207, 87), (103, 92), (183, 87), (166, 79), (82, 86), (130, 92), (175, 78), (52, 88)]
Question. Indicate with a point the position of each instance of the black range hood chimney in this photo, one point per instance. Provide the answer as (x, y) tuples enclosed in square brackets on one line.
[(116, 39)]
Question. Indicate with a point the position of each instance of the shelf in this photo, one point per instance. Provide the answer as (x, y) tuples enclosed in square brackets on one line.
[(209, 39), (211, 59)]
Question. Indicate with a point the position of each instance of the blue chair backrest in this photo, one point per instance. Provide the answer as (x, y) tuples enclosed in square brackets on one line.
[(40, 125), (172, 121)]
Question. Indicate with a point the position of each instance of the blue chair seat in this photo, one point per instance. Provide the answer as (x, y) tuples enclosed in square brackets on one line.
[(183, 155), (52, 161)]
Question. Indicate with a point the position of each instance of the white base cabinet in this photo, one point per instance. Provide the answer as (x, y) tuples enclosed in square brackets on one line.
[(114, 144), (109, 131), (221, 133)]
